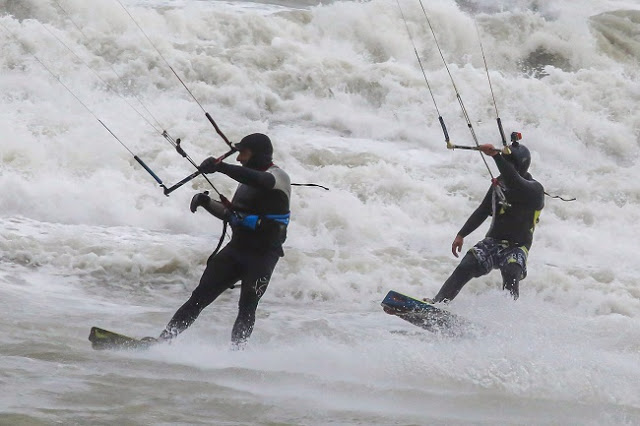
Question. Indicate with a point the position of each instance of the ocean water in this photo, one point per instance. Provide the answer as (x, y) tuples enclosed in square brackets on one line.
[(88, 238)]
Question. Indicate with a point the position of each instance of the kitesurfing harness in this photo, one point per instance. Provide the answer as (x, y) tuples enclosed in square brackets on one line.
[(254, 221)]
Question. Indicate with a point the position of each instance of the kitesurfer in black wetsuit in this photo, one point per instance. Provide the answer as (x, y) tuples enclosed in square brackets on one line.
[(258, 216), (514, 201)]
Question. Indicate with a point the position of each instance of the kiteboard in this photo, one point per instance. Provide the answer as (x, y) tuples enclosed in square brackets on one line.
[(102, 339), (422, 314)]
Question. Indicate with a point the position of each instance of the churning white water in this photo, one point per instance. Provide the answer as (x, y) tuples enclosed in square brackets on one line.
[(88, 238)]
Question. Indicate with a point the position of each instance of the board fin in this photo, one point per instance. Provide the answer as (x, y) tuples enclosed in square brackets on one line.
[(102, 339)]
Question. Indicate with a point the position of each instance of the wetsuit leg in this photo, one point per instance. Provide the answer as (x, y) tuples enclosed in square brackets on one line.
[(222, 271), (511, 274), (468, 268), (255, 280)]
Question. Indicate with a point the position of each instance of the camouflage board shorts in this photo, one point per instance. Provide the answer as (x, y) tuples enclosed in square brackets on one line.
[(495, 254)]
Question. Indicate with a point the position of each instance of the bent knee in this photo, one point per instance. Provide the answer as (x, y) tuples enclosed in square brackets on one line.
[(470, 266), (512, 271)]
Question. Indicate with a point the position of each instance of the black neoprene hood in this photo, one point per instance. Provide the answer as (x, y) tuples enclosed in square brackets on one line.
[(261, 150)]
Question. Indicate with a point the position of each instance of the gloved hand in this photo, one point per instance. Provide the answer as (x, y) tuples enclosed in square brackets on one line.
[(198, 200), (209, 165)]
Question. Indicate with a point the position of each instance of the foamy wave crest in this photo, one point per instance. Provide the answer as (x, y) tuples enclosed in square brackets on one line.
[(338, 89)]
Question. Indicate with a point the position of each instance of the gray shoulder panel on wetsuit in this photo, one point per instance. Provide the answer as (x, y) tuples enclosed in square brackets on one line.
[(283, 182)]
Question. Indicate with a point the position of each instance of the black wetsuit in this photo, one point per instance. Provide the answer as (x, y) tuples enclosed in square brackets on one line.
[(250, 256), (510, 236)]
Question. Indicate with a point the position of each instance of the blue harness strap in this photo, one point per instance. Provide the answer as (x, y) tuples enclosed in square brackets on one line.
[(253, 221), (282, 218)]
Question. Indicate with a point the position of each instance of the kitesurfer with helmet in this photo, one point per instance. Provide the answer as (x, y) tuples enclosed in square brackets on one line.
[(514, 201)]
